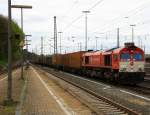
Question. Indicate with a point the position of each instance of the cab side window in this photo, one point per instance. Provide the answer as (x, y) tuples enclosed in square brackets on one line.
[(115, 57), (86, 59)]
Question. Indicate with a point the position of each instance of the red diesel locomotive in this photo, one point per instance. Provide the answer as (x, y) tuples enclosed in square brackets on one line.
[(125, 64)]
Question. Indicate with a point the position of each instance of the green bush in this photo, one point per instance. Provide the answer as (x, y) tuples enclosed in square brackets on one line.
[(16, 49)]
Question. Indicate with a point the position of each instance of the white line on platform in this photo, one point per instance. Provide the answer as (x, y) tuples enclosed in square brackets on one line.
[(145, 98), (107, 87), (52, 94)]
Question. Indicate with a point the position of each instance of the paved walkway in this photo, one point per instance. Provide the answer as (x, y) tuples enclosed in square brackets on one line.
[(38, 100), (45, 97), (17, 85)]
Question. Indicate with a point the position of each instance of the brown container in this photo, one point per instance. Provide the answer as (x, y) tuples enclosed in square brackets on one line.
[(65, 60), (73, 60), (57, 59)]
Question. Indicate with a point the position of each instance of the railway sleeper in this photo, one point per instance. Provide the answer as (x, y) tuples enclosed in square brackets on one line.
[(104, 105), (101, 104), (111, 112), (108, 108), (116, 113)]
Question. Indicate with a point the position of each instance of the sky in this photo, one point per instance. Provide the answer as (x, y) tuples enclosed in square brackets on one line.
[(103, 20)]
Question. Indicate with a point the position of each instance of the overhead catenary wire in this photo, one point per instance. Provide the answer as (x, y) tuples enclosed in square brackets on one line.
[(135, 11), (76, 19), (128, 14), (96, 4)]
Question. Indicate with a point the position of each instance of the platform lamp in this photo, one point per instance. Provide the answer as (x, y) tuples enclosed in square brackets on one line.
[(22, 7)]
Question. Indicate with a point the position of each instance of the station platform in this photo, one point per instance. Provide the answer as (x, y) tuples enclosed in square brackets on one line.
[(45, 97), (42, 96), (17, 85)]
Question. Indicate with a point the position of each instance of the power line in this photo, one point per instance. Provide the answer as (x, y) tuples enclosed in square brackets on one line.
[(69, 10), (135, 10), (73, 22), (91, 8), (96, 4)]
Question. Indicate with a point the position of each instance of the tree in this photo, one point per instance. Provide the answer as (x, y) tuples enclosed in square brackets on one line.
[(16, 49)]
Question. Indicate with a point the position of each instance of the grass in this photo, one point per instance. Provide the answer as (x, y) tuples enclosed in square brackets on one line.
[(9, 107)]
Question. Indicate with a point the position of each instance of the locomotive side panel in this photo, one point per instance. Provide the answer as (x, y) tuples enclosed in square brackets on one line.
[(92, 59)]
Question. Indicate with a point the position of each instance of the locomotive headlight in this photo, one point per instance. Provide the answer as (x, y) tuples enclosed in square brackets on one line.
[(140, 69), (123, 69)]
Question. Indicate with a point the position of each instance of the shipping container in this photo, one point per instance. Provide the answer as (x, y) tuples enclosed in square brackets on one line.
[(57, 60), (73, 60)]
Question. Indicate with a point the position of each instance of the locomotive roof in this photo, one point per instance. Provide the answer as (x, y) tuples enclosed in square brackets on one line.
[(93, 53), (114, 50)]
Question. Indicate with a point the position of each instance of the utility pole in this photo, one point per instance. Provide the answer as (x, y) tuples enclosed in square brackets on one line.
[(50, 50), (144, 48), (133, 25), (101, 46), (86, 28), (80, 46), (96, 41), (9, 88), (50, 47), (118, 38), (55, 36), (22, 7), (60, 40), (41, 46)]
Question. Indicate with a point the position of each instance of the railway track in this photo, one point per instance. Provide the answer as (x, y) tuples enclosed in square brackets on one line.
[(103, 104), (143, 87)]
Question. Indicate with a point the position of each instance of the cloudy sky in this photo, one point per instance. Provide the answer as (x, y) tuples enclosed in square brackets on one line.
[(103, 20)]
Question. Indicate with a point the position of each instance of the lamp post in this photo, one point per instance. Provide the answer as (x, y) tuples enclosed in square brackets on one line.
[(133, 25), (60, 40), (22, 7), (118, 38), (86, 12), (96, 41), (9, 88), (96, 37)]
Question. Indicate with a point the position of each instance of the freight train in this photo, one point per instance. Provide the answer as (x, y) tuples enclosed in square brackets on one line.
[(123, 65)]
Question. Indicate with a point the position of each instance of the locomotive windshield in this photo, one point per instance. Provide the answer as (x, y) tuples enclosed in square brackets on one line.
[(138, 56), (125, 56)]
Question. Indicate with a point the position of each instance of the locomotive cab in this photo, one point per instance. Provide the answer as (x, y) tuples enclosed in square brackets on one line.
[(131, 64)]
